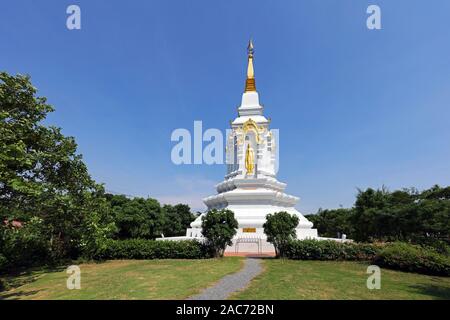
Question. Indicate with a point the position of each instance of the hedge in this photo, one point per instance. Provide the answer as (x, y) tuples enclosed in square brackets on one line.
[(151, 249), (413, 258), (330, 250), (396, 255)]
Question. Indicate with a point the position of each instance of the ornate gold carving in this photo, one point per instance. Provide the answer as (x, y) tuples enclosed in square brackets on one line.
[(251, 125)]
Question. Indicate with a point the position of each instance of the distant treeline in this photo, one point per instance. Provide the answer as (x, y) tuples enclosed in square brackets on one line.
[(382, 215), (147, 219)]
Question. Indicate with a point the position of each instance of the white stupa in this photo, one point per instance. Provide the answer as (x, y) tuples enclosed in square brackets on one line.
[(251, 189)]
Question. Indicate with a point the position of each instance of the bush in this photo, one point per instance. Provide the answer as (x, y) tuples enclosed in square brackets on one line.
[(151, 249), (23, 247), (3, 285), (438, 245), (396, 255), (330, 250), (413, 258), (219, 228), (3, 265), (3, 262), (280, 230)]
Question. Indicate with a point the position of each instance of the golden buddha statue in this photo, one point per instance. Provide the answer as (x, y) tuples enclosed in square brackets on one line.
[(249, 159)]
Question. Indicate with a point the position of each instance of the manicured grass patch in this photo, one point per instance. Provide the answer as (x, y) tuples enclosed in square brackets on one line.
[(288, 279), (126, 279)]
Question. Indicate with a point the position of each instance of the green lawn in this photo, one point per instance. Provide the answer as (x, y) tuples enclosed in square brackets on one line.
[(179, 279), (287, 279), (125, 279)]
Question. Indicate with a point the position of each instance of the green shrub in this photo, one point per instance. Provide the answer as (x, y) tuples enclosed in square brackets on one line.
[(3, 262), (151, 249), (330, 250), (397, 255), (219, 228), (280, 230), (440, 246), (3, 285), (413, 258), (23, 247)]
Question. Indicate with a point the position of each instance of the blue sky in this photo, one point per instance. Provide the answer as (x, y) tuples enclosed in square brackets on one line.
[(355, 107)]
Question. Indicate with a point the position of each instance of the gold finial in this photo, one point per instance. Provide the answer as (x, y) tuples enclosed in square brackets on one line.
[(250, 47), (250, 82)]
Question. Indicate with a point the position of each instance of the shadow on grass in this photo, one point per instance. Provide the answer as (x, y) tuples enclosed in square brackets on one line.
[(433, 290), (18, 278), (17, 295)]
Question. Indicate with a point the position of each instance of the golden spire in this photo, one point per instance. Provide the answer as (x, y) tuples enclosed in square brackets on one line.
[(250, 82)]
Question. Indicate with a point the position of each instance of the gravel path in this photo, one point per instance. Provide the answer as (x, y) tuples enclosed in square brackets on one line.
[(231, 283)]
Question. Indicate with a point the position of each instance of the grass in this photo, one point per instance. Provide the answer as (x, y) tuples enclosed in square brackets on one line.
[(179, 279), (289, 279), (124, 279)]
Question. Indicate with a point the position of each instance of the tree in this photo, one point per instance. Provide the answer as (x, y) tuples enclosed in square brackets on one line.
[(145, 218), (137, 217), (330, 223), (219, 228), (406, 215), (280, 229), (177, 219), (42, 178)]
